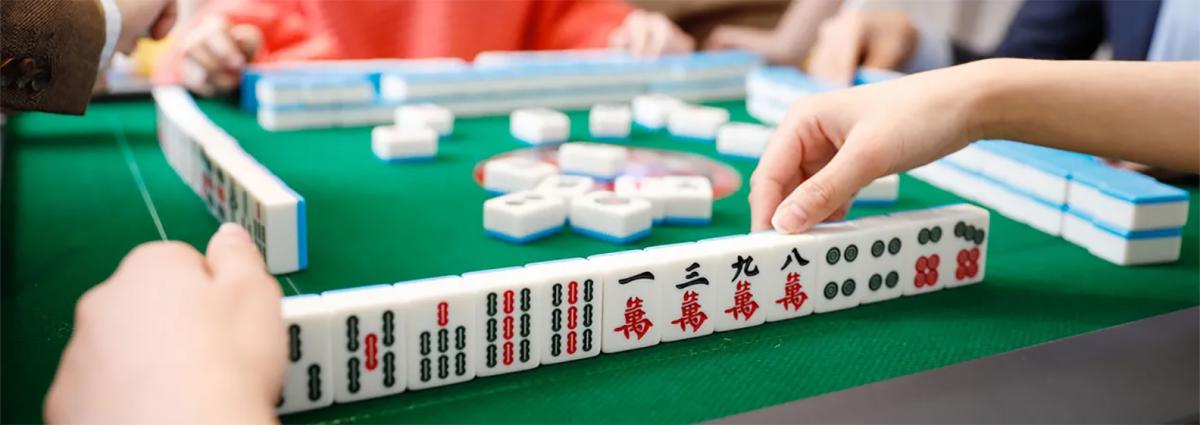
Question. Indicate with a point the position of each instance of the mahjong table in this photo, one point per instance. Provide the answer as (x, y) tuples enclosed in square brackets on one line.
[(80, 192)]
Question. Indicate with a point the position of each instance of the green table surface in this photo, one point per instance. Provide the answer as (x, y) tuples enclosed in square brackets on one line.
[(80, 192)]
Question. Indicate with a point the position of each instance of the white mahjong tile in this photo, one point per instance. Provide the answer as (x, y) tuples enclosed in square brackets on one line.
[(598, 160), (844, 273), (925, 237), (968, 241), (524, 216), (649, 188), (652, 110), (368, 333), (609, 121), (568, 298), (539, 126), (515, 173), (631, 300), (506, 316), (566, 187), (791, 274), (687, 199), (882, 257), (437, 117), (439, 315), (688, 299), (309, 382), (743, 139), (738, 281), (610, 217)]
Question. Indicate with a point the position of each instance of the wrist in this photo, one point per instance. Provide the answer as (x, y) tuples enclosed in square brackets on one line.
[(988, 90)]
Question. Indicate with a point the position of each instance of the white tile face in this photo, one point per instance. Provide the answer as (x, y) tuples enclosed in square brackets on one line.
[(368, 351), (392, 143), (886, 188), (926, 252), (649, 188), (687, 200), (686, 291), (566, 187), (651, 111), (697, 122), (439, 316), (597, 160), (790, 274), (567, 298), (439, 118), (523, 216), (844, 271), (968, 242), (607, 216), (631, 299), (882, 257), (515, 173), (738, 281), (539, 126), (742, 139), (505, 314), (309, 382), (610, 121)]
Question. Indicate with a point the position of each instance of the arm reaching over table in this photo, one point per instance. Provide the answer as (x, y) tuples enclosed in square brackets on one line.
[(175, 336), (830, 145)]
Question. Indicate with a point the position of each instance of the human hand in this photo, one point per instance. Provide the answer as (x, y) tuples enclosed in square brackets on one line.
[(215, 54), (773, 46), (141, 16), (174, 336), (830, 145), (849, 40), (649, 34)]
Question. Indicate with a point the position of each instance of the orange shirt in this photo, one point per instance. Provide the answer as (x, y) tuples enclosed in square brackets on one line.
[(364, 29)]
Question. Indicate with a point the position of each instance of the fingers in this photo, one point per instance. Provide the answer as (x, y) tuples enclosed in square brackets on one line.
[(667, 38), (215, 55), (636, 29), (222, 49), (739, 37), (248, 39), (162, 26), (232, 256), (838, 49), (778, 171), (646, 34), (886, 53), (160, 259), (829, 190)]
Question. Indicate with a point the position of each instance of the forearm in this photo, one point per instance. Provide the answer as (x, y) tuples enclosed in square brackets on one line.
[(1137, 111)]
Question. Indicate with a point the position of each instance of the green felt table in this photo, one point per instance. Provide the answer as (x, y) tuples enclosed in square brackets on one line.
[(80, 192)]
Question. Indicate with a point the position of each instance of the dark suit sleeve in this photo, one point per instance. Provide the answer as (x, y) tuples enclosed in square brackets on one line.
[(1048, 29), (50, 53)]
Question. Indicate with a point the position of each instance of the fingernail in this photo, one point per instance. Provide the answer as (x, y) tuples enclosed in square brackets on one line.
[(232, 231), (790, 218)]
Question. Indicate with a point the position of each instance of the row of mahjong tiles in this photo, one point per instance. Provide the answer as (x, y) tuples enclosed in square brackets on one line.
[(354, 344)]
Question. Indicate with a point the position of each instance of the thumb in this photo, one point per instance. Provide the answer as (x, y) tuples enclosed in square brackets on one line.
[(828, 191), (232, 256)]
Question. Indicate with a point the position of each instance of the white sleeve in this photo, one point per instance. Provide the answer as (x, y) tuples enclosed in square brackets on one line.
[(932, 51), (112, 29)]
